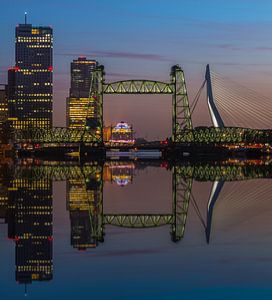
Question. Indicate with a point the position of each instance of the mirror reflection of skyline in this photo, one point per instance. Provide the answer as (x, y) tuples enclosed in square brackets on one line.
[(27, 203)]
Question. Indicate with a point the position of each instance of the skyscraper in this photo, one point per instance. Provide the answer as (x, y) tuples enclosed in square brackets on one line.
[(78, 100), (3, 113), (30, 81), (81, 69)]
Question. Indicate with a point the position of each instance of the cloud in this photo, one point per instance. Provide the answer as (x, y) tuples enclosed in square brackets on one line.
[(229, 47), (121, 75), (118, 54), (263, 48), (234, 47)]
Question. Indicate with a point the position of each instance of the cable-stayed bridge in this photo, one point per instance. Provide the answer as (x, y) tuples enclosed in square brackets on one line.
[(239, 115)]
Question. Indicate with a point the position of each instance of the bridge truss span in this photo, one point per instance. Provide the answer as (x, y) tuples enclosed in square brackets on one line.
[(138, 87), (138, 220)]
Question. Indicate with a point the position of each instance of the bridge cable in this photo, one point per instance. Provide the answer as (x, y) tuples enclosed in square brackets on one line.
[(241, 106), (239, 200), (234, 97), (244, 108), (196, 99), (197, 210)]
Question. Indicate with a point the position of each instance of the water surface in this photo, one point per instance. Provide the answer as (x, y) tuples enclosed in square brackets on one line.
[(53, 242)]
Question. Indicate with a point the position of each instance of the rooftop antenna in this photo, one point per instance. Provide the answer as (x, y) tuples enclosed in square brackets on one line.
[(25, 17)]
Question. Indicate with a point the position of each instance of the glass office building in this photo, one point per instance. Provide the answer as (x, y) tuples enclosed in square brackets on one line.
[(30, 81)]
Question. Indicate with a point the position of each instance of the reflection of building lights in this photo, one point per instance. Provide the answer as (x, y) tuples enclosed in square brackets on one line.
[(121, 181), (126, 166)]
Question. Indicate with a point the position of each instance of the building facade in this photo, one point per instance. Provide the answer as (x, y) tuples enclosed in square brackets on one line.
[(3, 113), (30, 81), (122, 133), (78, 102), (81, 70)]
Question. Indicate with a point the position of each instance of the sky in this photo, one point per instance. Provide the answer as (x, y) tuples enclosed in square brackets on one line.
[(141, 40)]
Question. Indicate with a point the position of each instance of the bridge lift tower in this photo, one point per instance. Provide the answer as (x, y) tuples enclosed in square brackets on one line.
[(181, 115)]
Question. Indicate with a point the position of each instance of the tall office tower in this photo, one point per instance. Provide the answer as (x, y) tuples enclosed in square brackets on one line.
[(30, 81), (30, 225), (81, 69), (3, 113), (78, 100)]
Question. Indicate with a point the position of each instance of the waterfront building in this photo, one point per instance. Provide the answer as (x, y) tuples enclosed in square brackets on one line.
[(3, 114), (81, 70), (78, 104), (122, 133), (30, 81)]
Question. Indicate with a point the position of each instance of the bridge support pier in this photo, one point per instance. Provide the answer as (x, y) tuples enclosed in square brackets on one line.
[(94, 120), (92, 153), (181, 115)]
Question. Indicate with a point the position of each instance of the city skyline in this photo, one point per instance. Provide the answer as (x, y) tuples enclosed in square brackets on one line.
[(231, 37), (135, 149)]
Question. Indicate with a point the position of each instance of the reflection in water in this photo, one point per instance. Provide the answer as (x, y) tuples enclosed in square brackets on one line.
[(26, 206), (85, 203), (85, 200), (120, 172), (26, 203)]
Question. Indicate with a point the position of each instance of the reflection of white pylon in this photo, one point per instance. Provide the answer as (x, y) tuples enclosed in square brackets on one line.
[(216, 189)]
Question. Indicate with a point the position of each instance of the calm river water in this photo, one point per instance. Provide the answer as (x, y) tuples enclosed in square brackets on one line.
[(136, 230)]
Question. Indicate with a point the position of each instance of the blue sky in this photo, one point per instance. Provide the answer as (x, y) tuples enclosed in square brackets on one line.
[(143, 39)]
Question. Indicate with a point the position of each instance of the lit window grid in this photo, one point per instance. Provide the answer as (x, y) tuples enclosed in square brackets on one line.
[(78, 110)]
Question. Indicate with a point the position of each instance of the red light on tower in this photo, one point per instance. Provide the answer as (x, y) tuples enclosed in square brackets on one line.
[(50, 69), (16, 69)]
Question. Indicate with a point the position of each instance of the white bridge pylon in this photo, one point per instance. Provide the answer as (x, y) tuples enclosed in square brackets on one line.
[(215, 115), (233, 105)]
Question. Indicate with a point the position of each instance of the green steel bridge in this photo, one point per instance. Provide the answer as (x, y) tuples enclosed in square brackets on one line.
[(243, 110)]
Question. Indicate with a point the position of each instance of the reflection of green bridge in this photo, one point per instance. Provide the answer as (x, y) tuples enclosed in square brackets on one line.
[(91, 177), (226, 171)]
